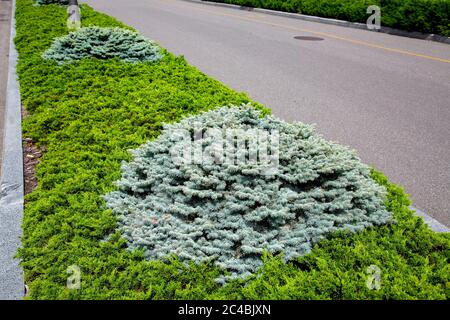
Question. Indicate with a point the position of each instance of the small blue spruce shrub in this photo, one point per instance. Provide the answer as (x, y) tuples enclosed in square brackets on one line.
[(232, 213), (103, 43)]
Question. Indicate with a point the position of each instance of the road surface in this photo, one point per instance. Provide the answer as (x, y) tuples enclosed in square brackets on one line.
[(386, 96)]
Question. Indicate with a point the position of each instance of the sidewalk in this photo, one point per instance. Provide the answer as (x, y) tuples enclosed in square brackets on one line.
[(5, 26), (11, 178)]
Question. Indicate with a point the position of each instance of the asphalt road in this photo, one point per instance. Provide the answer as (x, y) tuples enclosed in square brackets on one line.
[(386, 96)]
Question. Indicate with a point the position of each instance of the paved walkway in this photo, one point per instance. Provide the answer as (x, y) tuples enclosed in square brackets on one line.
[(11, 179), (5, 25), (386, 96)]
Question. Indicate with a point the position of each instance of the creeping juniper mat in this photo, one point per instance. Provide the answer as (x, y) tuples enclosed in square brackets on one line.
[(87, 114), (232, 211), (103, 43)]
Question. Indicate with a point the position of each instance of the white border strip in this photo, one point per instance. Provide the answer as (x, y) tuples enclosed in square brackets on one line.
[(342, 23), (11, 182), (435, 225)]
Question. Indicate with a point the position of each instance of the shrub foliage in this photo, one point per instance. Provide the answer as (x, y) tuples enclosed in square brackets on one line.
[(87, 115), (428, 16), (103, 43), (231, 211)]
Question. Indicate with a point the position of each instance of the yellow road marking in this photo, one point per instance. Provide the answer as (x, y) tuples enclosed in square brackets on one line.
[(324, 34)]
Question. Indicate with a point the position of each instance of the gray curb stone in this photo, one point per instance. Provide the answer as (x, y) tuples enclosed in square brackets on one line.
[(11, 184), (430, 221), (342, 23)]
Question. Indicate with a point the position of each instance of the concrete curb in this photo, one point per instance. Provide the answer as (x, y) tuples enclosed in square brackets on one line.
[(435, 225), (342, 23), (11, 183)]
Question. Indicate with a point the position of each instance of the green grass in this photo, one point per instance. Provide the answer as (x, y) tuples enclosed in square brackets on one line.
[(428, 16), (89, 113)]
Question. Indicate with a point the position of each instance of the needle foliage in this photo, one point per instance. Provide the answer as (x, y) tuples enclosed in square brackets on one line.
[(428, 16), (88, 113), (103, 43), (230, 211)]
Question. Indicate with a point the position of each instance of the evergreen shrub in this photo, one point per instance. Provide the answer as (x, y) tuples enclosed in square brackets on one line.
[(232, 211), (103, 43), (428, 16), (88, 114)]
